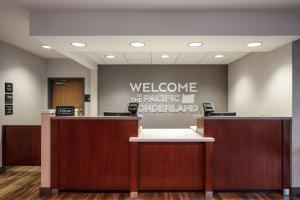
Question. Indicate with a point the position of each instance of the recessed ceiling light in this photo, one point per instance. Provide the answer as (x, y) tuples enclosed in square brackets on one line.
[(137, 44), (46, 47), (195, 44), (254, 44), (165, 56), (219, 56), (110, 56), (78, 44)]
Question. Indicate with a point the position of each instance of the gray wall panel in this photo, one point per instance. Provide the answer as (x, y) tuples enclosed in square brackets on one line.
[(114, 91)]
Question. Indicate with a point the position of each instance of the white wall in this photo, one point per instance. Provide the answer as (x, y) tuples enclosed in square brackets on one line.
[(65, 68), (261, 84), (26, 72)]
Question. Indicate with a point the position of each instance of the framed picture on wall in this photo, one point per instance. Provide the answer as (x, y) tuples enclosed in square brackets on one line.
[(9, 88), (8, 98)]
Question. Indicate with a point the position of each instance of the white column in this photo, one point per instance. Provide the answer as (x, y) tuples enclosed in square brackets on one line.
[(94, 92)]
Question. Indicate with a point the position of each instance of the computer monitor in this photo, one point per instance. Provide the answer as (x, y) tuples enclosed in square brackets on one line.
[(133, 108), (132, 111), (117, 114), (209, 110)]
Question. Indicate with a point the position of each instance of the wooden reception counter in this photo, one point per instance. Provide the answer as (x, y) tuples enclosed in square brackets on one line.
[(113, 153), (250, 153)]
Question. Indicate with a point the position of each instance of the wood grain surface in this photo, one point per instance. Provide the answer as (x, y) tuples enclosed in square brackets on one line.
[(21, 145), (248, 154), (91, 154), (22, 183), (171, 166)]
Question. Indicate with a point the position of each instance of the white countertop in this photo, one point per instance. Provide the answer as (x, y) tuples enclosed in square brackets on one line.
[(247, 118), (98, 117), (170, 135)]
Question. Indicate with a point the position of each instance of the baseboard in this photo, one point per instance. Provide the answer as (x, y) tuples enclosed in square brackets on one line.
[(45, 191), (295, 191), (3, 169)]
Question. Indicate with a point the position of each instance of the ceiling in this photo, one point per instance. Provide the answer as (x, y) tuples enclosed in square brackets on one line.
[(232, 47), (155, 57), (156, 4), (14, 23)]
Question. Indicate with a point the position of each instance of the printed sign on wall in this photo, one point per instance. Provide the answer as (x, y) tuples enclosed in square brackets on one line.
[(8, 98), (171, 97), (9, 88), (8, 109)]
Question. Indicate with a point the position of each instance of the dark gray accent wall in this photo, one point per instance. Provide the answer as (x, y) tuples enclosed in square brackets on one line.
[(114, 91)]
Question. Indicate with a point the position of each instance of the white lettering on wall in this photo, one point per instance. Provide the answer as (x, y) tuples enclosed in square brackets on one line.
[(152, 97), (135, 87), (164, 87)]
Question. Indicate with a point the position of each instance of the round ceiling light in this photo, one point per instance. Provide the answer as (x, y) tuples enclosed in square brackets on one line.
[(219, 56), (46, 47), (195, 44), (78, 44), (137, 44), (254, 44), (165, 56), (110, 56)]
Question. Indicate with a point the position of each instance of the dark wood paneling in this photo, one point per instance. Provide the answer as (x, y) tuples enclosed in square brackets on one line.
[(94, 154), (208, 166), (54, 153), (115, 150), (79, 154), (134, 167), (171, 166), (21, 145), (247, 153), (286, 134)]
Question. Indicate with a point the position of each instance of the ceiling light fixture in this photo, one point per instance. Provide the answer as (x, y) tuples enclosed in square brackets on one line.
[(137, 44), (165, 56), (110, 56), (46, 47), (78, 44), (195, 44), (219, 56), (254, 44)]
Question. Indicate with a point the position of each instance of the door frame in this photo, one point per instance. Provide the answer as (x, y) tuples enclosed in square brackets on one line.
[(50, 91)]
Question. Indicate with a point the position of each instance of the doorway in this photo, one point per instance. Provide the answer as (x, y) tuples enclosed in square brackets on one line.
[(66, 92)]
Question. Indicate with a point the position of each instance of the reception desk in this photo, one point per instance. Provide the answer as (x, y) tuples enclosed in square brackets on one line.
[(250, 153), (115, 154)]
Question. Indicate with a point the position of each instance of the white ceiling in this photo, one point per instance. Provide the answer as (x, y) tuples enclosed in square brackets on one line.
[(14, 23), (233, 47), (166, 43), (155, 57), (156, 4)]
